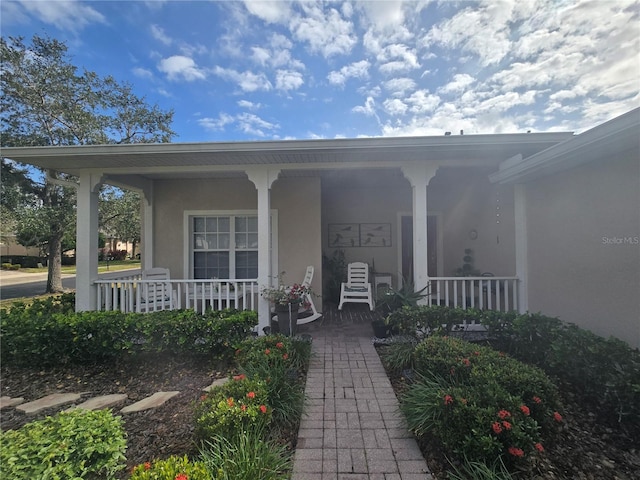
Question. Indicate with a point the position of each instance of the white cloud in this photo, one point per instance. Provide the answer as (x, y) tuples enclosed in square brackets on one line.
[(422, 102), (399, 86), (253, 125), (269, 11), (368, 109), (64, 14), (216, 124), (142, 72), (249, 105), (395, 107), (159, 34), (178, 66), (288, 80), (353, 70), (247, 81), (460, 82), (326, 33)]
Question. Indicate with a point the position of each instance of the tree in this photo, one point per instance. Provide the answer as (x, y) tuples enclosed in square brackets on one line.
[(45, 101), (120, 215)]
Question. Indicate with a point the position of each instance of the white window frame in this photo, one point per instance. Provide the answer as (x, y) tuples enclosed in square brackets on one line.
[(188, 237)]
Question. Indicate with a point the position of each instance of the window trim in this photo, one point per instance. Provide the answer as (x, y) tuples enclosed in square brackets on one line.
[(189, 214)]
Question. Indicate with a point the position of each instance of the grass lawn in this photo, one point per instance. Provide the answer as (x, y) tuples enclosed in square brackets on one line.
[(103, 267)]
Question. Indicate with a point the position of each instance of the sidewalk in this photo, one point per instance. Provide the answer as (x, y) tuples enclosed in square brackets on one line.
[(351, 428)]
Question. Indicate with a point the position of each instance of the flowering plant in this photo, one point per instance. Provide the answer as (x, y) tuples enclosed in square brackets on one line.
[(286, 294)]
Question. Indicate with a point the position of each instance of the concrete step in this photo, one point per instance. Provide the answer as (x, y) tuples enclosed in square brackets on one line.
[(103, 401), (155, 400), (6, 402), (50, 401)]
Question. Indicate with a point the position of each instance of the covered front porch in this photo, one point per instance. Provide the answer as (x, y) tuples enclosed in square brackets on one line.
[(229, 219)]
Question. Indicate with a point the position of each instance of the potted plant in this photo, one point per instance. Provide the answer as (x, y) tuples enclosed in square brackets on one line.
[(286, 300)]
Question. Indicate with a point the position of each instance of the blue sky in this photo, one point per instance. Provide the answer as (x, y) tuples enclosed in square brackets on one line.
[(260, 70)]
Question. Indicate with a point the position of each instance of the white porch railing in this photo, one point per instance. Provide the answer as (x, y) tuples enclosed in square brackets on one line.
[(484, 293), (132, 294)]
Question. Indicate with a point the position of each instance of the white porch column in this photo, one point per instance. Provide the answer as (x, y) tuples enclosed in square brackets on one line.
[(419, 176), (520, 211), (87, 241), (263, 178), (146, 259)]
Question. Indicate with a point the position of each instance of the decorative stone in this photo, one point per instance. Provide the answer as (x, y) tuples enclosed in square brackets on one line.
[(155, 400), (103, 401), (6, 402), (50, 401), (218, 383)]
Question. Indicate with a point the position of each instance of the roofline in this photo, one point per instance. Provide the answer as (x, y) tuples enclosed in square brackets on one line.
[(18, 153), (620, 134)]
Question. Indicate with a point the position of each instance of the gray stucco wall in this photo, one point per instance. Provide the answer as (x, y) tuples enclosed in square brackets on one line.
[(584, 253)]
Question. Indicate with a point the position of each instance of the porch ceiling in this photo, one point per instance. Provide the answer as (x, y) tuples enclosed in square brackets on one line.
[(181, 160)]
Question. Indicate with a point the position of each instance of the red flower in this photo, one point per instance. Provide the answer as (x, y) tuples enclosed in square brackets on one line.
[(267, 351), (242, 376), (557, 417), (181, 476), (497, 428), (279, 345), (537, 400), (525, 410), (285, 356), (230, 401), (477, 354), (516, 452), (452, 371), (506, 425), (263, 409), (448, 399), (539, 447), (504, 414), (251, 394), (466, 361), (243, 408), (147, 465)]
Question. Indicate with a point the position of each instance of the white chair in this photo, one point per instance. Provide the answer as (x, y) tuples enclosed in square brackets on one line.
[(308, 309), (357, 288), (155, 292)]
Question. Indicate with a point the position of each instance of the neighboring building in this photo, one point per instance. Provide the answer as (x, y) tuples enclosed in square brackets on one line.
[(411, 206)]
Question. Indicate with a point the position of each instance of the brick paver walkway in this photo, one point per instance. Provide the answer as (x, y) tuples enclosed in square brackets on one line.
[(352, 429)]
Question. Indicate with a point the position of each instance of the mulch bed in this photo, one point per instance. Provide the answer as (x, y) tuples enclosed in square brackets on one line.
[(151, 434), (585, 449)]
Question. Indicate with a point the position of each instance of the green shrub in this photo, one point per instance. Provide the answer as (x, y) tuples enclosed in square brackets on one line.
[(246, 456), (398, 354), (279, 362), (49, 333), (239, 405), (171, 469), (605, 373), (480, 403), (470, 470), (77, 444)]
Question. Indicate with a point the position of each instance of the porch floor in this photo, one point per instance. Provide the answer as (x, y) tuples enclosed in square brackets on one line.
[(351, 427)]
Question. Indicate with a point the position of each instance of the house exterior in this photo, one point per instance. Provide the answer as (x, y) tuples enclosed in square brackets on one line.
[(578, 222), (230, 217)]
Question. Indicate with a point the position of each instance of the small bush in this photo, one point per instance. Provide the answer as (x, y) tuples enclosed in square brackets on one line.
[(238, 405), (279, 361), (77, 444), (398, 354), (171, 469), (246, 456), (481, 404)]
